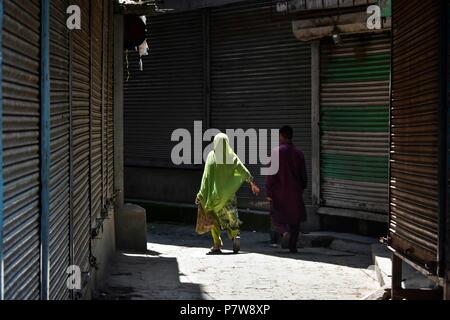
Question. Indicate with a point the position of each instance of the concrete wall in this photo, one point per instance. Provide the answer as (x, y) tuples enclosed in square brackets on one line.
[(159, 184), (169, 194), (103, 249)]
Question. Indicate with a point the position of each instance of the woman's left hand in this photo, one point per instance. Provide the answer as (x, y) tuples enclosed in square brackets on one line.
[(255, 189)]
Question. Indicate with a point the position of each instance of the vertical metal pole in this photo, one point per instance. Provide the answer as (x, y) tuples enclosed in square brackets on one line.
[(1, 154), (391, 100), (397, 277), (315, 121), (91, 99), (443, 146), (118, 109), (446, 229), (71, 146), (103, 110), (45, 147)]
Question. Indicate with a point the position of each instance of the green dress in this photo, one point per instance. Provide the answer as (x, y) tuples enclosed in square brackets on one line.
[(224, 174)]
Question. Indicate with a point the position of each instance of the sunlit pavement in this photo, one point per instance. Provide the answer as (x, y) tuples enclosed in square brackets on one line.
[(176, 266)]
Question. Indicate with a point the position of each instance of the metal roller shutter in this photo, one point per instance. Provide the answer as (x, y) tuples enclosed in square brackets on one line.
[(96, 107), (104, 124), (110, 107), (354, 123), (260, 78), (60, 153), (168, 94), (80, 126), (21, 93), (414, 187)]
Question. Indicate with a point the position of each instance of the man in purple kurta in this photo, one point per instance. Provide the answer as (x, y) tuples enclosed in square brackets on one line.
[(285, 191)]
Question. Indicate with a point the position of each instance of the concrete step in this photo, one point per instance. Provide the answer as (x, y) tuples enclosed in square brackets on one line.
[(343, 242), (381, 294), (349, 242), (381, 258), (412, 279)]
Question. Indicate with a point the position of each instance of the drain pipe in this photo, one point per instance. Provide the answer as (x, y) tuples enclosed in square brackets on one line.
[(45, 148)]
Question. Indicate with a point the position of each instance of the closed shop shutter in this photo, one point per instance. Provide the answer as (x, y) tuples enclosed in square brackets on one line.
[(354, 123), (104, 123), (21, 93), (80, 86), (414, 185), (168, 94), (110, 106), (96, 107), (260, 78), (60, 153)]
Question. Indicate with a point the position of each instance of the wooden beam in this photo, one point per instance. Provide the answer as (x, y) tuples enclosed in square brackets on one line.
[(419, 294), (354, 214), (397, 277), (447, 290), (317, 13)]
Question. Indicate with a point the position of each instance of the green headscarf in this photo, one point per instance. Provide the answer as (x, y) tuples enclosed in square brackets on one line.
[(223, 176)]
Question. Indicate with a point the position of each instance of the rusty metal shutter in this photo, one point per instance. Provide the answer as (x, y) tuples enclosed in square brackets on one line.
[(168, 94), (354, 123), (21, 103), (260, 78), (96, 112), (80, 127), (60, 153), (414, 188)]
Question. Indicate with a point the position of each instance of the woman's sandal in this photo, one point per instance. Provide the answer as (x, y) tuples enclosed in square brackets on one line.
[(236, 244), (214, 251)]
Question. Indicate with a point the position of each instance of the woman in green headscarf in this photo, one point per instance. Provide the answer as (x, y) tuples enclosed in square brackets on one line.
[(223, 176)]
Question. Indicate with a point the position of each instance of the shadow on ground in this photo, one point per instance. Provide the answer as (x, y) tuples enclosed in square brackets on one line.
[(251, 242), (177, 267), (135, 276)]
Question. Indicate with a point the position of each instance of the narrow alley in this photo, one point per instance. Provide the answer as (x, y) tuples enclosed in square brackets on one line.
[(176, 267), (313, 133)]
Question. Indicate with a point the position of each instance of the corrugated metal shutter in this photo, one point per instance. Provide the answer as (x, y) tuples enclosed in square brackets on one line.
[(104, 124), (260, 78), (60, 153), (80, 85), (21, 51), (354, 123), (96, 107), (110, 106), (414, 189), (168, 94)]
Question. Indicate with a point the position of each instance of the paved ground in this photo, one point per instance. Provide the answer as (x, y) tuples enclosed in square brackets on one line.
[(176, 267)]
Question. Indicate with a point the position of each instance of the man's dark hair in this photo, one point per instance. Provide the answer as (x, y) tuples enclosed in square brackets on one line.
[(287, 132)]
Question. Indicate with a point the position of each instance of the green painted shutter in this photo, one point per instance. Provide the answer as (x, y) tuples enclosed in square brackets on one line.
[(354, 123)]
